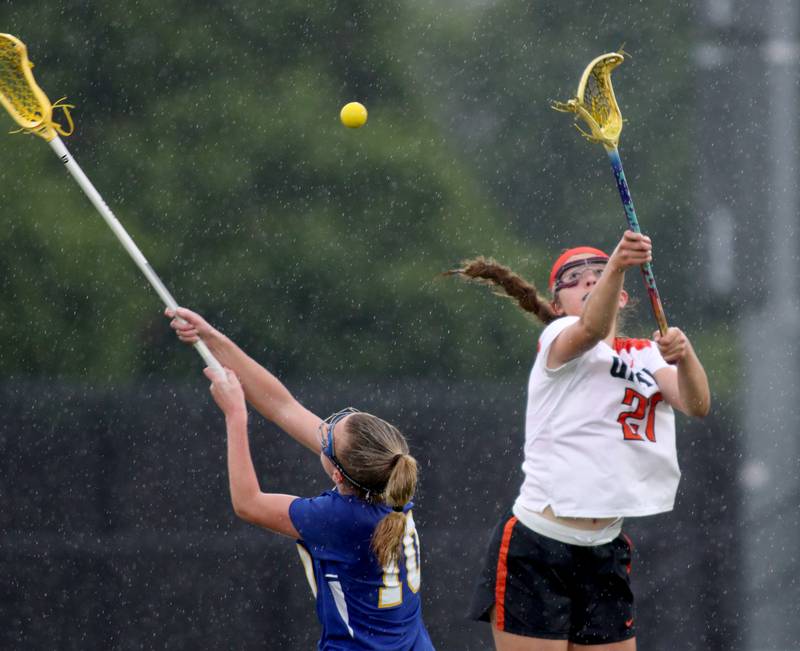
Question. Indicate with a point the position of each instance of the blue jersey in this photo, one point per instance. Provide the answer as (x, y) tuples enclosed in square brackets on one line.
[(361, 605)]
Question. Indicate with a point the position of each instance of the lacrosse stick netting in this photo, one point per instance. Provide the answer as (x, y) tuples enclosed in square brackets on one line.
[(32, 111)]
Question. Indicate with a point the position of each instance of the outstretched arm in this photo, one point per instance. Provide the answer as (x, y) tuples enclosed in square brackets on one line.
[(685, 385), (599, 314), (268, 510), (262, 389)]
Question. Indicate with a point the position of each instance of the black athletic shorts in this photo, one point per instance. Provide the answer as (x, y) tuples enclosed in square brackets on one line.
[(544, 588)]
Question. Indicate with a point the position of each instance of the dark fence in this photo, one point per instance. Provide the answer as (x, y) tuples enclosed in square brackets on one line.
[(117, 532)]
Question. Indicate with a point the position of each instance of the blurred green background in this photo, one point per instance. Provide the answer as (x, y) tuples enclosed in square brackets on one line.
[(211, 129)]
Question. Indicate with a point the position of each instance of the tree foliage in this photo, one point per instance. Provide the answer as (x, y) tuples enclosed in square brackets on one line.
[(213, 135)]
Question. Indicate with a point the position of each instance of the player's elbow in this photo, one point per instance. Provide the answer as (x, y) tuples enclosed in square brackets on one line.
[(243, 508), (699, 408)]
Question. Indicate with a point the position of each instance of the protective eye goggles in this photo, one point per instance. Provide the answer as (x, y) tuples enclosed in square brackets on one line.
[(571, 273), (326, 428)]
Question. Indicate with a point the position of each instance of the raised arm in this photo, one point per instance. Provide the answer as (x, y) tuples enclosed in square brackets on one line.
[(268, 510), (597, 303), (684, 385), (262, 389)]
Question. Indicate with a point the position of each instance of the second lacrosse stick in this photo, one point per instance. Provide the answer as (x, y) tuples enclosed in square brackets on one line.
[(32, 111)]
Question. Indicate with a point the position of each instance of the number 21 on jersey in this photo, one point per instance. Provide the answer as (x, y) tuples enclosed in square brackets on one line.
[(391, 593), (642, 409)]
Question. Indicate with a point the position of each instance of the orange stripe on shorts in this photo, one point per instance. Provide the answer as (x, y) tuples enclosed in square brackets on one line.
[(630, 546), (502, 574)]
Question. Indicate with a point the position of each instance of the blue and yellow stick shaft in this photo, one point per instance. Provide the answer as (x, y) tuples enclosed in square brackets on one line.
[(596, 104), (633, 222)]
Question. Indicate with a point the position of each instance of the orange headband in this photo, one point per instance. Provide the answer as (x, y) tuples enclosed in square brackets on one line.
[(567, 255)]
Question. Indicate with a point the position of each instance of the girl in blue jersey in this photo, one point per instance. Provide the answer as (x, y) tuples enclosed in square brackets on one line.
[(358, 541)]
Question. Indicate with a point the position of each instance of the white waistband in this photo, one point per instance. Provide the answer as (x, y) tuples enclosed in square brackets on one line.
[(566, 534)]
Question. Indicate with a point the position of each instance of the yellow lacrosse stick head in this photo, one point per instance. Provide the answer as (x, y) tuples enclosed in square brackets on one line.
[(21, 96), (595, 102)]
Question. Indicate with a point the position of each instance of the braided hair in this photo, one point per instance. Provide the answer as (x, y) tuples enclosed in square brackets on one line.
[(491, 272)]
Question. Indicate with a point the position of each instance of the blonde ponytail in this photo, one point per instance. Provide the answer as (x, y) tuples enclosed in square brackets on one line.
[(376, 455), (387, 540)]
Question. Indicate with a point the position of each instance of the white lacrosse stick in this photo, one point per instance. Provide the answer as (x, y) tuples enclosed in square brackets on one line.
[(31, 109)]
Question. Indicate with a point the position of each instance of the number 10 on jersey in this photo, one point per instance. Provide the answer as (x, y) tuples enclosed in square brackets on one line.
[(391, 593)]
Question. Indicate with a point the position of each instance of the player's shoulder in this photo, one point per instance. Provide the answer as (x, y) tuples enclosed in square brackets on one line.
[(337, 520), (348, 508), (330, 499), (557, 325), (552, 330)]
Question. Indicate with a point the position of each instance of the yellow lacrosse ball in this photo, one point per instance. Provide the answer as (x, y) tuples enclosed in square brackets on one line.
[(353, 115)]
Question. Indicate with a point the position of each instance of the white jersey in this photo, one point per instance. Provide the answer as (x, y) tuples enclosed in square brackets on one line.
[(599, 438)]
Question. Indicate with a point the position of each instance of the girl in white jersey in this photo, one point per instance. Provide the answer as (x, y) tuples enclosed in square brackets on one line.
[(599, 446)]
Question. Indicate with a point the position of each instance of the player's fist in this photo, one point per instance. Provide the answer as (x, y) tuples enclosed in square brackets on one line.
[(634, 249), (227, 391), (189, 326), (673, 344)]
